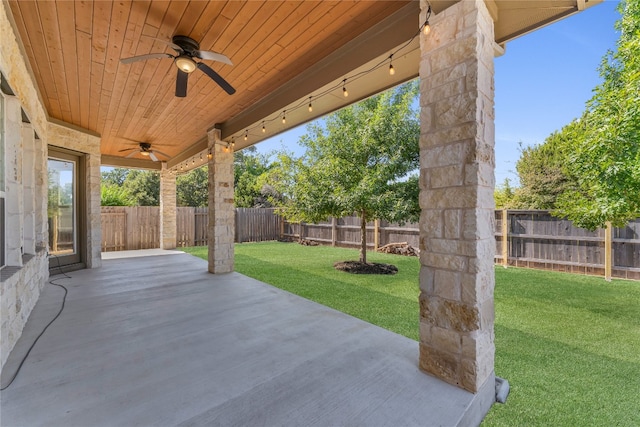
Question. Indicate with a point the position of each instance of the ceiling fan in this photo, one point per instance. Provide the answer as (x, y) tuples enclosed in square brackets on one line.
[(187, 50), (144, 149)]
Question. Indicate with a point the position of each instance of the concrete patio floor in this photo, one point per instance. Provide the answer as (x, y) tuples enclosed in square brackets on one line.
[(151, 338)]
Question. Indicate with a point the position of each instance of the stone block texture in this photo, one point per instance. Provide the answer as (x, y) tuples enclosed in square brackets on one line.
[(456, 195), (26, 151), (221, 228), (168, 225)]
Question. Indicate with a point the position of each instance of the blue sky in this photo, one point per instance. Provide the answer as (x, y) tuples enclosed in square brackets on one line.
[(542, 82)]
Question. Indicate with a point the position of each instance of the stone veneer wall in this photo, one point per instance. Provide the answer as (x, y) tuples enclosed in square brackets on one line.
[(456, 196), (26, 270), (221, 228)]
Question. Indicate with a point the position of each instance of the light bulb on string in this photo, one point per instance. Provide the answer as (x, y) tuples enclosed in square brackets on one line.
[(310, 106), (209, 155), (246, 134), (392, 71), (426, 28), (344, 88), (284, 118), (264, 129)]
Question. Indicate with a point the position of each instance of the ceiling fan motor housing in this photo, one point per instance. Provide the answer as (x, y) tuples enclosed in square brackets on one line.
[(188, 45)]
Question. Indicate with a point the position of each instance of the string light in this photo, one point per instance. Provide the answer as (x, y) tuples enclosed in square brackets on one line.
[(209, 154), (193, 161), (264, 129), (200, 156), (425, 29)]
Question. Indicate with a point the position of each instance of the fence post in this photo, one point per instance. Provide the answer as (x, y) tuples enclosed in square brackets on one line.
[(505, 238), (334, 231), (376, 234), (281, 227), (608, 251)]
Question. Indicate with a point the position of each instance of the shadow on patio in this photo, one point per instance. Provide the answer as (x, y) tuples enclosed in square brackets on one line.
[(156, 340)]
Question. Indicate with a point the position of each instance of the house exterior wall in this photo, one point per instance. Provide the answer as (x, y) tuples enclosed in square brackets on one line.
[(26, 188)]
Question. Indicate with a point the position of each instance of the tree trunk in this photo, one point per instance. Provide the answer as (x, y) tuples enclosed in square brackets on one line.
[(363, 237)]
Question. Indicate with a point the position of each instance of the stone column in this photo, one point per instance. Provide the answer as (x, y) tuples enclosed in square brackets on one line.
[(168, 228), (14, 198), (94, 211), (41, 194), (28, 188), (456, 197), (221, 229)]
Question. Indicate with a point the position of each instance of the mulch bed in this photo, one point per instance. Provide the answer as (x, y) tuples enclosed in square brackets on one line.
[(357, 267)]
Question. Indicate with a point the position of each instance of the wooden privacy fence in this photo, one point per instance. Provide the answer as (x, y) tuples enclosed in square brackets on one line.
[(345, 232), (130, 227), (138, 227), (256, 225), (536, 239), (533, 238)]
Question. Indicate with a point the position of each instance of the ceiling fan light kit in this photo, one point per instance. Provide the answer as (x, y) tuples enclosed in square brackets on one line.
[(185, 64)]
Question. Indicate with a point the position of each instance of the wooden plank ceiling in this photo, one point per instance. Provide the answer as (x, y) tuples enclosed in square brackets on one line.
[(74, 49)]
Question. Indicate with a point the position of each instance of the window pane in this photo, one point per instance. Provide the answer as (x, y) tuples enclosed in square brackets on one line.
[(61, 207)]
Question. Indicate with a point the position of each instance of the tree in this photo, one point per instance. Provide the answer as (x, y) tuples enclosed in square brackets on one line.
[(248, 167), (542, 170), (115, 176), (606, 161), (144, 187), (114, 195), (358, 160), (504, 195), (192, 188)]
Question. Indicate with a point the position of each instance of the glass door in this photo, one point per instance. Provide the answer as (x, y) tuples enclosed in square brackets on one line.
[(63, 209)]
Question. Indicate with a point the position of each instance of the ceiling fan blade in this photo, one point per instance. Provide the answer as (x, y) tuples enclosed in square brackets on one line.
[(127, 149), (133, 153), (153, 156), (145, 57), (181, 84), (216, 78), (214, 56), (162, 154)]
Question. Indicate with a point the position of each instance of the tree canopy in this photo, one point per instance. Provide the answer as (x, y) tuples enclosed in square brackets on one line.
[(605, 163), (358, 159), (589, 171), (192, 188)]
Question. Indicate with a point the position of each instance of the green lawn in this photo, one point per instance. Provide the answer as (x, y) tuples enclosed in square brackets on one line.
[(569, 345)]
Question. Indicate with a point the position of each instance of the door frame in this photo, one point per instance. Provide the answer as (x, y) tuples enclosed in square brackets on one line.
[(76, 261)]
